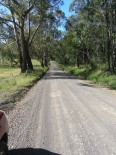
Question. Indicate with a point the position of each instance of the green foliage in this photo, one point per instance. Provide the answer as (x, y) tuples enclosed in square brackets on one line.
[(22, 21), (36, 62), (99, 75), (90, 37)]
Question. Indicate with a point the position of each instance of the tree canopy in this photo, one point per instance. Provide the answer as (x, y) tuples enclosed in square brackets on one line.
[(31, 27), (21, 21), (91, 33)]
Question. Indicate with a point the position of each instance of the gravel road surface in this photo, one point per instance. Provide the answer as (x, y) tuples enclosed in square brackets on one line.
[(63, 115)]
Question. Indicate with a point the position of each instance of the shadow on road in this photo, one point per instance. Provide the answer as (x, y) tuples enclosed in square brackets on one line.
[(87, 85), (59, 75), (31, 151)]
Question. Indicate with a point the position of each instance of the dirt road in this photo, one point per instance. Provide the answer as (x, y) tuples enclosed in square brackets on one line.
[(64, 115)]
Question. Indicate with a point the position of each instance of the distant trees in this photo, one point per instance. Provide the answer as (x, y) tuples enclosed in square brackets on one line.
[(45, 42), (91, 33), (22, 19), (90, 36)]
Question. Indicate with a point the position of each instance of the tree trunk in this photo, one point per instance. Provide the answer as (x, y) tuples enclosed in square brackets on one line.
[(29, 62), (17, 41), (108, 42), (42, 62), (46, 62), (108, 50), (77, 64), (23, 47)]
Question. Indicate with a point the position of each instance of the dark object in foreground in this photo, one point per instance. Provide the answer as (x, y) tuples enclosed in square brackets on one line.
[(31, 151), (3, 134)]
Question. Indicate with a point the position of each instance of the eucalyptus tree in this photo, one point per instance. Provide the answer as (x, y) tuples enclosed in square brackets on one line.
[(45, 42), (109, 8), (25, 17), (95, 31)]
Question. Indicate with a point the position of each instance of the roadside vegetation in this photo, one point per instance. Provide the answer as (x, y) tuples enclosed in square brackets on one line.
[(29, 29), (99, 75), (90, 35), (12, 81), (28, 38), (90, 41)]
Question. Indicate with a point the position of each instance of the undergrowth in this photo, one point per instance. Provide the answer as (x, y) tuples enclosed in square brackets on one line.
[(99, 75)]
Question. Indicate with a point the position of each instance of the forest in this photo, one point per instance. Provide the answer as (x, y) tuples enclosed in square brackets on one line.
[(28, 38), (33, 29), (90, 34), (30, 29)]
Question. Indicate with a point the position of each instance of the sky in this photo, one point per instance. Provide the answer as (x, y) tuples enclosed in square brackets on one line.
[(65, 7)]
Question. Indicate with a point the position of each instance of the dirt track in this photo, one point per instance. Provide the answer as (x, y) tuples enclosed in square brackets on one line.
[(64, 115)]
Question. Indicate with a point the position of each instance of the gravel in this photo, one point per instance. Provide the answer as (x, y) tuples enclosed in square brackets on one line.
[(63, 115)]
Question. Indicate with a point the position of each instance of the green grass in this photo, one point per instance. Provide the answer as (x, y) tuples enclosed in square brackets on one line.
[(12, 81), (100, 75), (7, 72), (19, 81), (35, 62)]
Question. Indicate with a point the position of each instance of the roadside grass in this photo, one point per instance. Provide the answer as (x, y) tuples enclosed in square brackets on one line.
[(35, 62), (11, 81), (99, 75)]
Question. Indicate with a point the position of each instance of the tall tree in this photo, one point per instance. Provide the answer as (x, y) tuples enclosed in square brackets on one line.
[(25, 17), (94, 32)]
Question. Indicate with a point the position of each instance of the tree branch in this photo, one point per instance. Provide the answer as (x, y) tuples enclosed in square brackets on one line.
[(8, 25), (28, 10), (15, 2), (8, 20), (35, 33), (4, 5), (56, 3), (40, 25), (29, 31)]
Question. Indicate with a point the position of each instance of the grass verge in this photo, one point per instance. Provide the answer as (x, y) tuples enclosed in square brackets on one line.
[(12, 82), (99, 75)]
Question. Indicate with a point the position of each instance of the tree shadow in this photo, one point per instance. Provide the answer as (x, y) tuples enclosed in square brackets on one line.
[(30, 151), (87, 85), (59, 75)]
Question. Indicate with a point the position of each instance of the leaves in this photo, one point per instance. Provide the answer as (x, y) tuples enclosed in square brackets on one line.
[(27, 17), (91, 35)]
